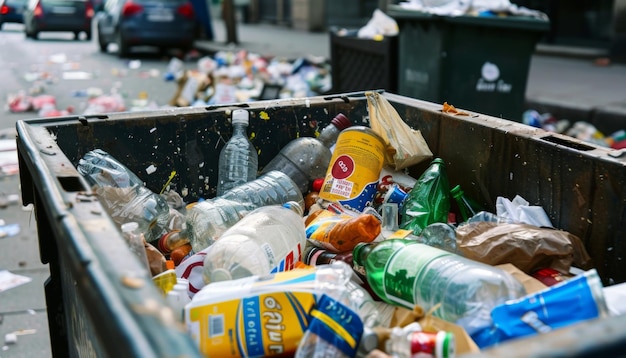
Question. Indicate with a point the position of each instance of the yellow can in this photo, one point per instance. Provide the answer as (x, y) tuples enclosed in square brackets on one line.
[(352, 176)]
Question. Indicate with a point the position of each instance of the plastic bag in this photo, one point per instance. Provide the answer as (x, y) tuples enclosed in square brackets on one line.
[(405, 145), (526, 246), (379, 24)]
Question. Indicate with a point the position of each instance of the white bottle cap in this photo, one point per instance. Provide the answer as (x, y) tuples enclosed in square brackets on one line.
[(240, 116)]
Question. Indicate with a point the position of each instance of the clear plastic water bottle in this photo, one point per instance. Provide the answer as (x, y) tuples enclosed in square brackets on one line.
[(238, 160), (207, 220), (305, 159), (406, 273), (269, 239), (177, 297), (123, 195)]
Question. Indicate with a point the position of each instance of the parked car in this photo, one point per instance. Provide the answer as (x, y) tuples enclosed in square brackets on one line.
[(58, 15), (11, 11), (161, 23)]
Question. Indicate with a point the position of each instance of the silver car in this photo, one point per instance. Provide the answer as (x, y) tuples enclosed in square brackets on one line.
[(58, 15), (160, 23)]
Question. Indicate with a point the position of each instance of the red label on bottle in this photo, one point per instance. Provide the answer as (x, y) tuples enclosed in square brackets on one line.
[(343, 167)]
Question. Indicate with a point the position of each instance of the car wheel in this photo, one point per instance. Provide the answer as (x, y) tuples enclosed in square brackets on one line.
[(122, 46)]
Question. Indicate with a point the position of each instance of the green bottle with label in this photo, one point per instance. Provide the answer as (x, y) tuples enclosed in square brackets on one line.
[(407, 273), (429, 200)]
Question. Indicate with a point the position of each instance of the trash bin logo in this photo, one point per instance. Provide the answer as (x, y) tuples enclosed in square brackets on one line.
[(490, 80)]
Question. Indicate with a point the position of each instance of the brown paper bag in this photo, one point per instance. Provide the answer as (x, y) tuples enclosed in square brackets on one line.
[(405, 145), (528, 247)]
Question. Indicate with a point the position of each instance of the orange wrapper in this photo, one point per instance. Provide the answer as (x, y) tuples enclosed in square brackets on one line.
[(340, 232)]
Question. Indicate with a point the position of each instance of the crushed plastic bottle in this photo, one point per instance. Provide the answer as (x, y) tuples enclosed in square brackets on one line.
[(123, 195), (207, 220)]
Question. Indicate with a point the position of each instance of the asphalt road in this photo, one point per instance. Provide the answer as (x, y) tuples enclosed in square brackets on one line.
[(56, 65)]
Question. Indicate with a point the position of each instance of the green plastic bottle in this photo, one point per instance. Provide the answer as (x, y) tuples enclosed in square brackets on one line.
[(406, 273), (429, 200)]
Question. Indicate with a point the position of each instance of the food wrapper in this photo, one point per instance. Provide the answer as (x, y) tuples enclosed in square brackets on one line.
[(340, 232)]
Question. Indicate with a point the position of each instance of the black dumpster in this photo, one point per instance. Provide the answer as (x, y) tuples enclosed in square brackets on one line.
[(96, 307), (361, 64), (479, 63)]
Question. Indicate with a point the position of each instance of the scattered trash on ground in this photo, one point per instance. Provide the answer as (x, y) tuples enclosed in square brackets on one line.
[(9, 280)]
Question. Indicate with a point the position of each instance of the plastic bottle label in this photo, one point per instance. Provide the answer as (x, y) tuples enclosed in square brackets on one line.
[(286, 264), (400, 278), (255, 326)]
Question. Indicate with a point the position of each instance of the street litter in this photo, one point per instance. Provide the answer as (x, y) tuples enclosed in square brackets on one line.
[(9, 280)]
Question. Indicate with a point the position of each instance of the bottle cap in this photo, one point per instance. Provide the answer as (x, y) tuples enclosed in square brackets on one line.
[(294, 206), (317, 184), (446, 345), (240, 116), (438, 161), (341, 121)]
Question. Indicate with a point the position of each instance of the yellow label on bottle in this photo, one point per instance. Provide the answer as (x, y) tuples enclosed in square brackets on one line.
[(260, 325), (354, 168)]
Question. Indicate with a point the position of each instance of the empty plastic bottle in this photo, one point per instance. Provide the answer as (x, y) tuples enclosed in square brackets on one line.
[(238, 160), (406, 273), (123, 195), (267, 240), (305, 159), (429, 200), (207, 220), (177, 297)]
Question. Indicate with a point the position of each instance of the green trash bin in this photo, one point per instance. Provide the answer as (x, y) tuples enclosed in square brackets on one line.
[(477, 63)]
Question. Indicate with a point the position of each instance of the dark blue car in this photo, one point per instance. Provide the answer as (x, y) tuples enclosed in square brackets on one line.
[(11, 11), (158, 23)]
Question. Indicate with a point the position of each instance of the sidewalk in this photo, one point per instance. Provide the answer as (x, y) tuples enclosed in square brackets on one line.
[(564, 83)]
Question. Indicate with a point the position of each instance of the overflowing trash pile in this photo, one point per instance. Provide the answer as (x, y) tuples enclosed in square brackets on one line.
[(241, 76), (582, 130), (355, 259), (226, 77)]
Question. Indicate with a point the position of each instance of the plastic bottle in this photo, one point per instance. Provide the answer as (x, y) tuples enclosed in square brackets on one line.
[(305, 159), (267, 240), (315, 256), (429, 200), (441, 236), (406, 273), (238, 160), (207, 220), (135, 240), (411, 340), (467, 208), (177, 297), (123, 195)]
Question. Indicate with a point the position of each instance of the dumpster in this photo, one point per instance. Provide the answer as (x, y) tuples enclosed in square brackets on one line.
[(97, 308), (476, 62), (360, 64)]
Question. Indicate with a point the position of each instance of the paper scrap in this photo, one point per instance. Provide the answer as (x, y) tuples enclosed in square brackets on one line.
[(10, 280)]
